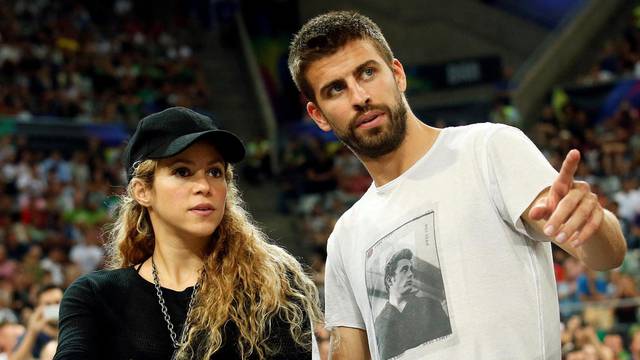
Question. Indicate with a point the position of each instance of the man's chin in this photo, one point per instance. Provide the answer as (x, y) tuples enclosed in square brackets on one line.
[(374, 145), (410, 292)]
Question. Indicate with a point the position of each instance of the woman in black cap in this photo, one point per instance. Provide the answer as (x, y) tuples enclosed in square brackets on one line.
[(193, 277)]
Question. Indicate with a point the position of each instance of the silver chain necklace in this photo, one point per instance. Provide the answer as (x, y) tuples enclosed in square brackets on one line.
[(156, 282)]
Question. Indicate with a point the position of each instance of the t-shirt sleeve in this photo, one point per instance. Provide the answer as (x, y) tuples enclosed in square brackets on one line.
[(315, 352), (517, 173), (341, 308), (78, 338)]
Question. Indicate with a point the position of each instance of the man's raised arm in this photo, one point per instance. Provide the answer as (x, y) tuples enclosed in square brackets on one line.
[(570, 215)]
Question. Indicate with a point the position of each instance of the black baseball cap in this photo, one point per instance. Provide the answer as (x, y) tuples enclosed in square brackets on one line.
[(169, 132)]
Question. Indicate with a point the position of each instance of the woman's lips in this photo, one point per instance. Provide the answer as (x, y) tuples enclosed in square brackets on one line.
[(202, 212), (202, 209)]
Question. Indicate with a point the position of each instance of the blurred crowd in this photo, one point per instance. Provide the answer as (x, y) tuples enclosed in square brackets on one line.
[(60, 59), (619, 56), (53, 207), (104, 63)]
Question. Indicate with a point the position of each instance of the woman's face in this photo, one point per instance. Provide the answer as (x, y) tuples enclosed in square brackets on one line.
[(187, 199)]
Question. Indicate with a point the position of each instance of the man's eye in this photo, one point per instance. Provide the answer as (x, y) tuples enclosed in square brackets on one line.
[(182, 172), (368, 72), (335, 89)]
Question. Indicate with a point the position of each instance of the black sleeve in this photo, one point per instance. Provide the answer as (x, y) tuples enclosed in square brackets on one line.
[(78, 337)]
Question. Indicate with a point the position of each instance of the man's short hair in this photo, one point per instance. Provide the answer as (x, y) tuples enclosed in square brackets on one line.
[(392, 264), (44, 288), (324, 35)]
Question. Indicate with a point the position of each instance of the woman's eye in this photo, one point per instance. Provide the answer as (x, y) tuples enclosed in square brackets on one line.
[(216, 172), (182, 172)]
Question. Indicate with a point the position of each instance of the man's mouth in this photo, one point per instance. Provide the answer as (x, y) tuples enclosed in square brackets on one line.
[(369, 119)]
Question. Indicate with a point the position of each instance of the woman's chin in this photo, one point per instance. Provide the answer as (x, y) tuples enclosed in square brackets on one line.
[(201, 234)]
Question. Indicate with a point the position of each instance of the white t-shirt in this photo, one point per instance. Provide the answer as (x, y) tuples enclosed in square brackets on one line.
[(88, 257), (479, 286), (629, 202)]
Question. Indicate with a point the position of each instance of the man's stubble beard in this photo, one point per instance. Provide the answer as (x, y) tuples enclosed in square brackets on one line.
[(376, 142)]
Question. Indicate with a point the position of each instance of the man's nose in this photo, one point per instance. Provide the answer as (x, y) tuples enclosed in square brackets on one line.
[(359, 96)]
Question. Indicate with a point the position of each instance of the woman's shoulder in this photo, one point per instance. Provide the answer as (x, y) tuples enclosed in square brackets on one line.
[(97, 281)]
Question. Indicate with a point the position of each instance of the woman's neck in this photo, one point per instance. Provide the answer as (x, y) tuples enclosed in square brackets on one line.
[(177, 264)]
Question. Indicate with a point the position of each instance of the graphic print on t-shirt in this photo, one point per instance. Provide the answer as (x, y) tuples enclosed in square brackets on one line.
[(406, 289)]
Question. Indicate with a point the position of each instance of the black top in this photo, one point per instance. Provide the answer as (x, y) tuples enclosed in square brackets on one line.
[(114, 314)]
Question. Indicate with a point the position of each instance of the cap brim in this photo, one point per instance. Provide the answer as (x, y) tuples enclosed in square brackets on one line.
[(227, 144)]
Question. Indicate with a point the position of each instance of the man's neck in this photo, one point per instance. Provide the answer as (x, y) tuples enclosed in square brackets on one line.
[(398, 302), (418, 141)]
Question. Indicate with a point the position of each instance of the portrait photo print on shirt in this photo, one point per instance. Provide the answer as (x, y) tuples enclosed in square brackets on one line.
[(405, 288)]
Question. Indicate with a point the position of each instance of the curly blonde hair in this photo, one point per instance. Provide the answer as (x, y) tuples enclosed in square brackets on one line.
[(247, 280)]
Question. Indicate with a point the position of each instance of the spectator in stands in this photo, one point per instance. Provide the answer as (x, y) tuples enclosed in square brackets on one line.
[(568, 294), (88, 253), (593, 286), (42, 326), (352, 177), (628, 198), (53, 263), (294, 160), (626, 313), (634, 346), (7, 266), (588, 344), (320, 176), (9, 334), (615, 343), (49, 350), (258, 164)]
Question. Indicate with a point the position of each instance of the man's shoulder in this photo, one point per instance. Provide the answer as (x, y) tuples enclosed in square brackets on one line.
[(477, 130), (388, 312), (349, 223), (351, 216), (479, 126)]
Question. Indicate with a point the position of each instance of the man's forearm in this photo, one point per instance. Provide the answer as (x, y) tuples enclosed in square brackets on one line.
[(606, 248), (349, 344)]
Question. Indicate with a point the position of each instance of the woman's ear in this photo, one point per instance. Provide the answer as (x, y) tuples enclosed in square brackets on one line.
[(141, 192)]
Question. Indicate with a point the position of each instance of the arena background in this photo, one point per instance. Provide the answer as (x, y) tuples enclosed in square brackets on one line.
[(76, 76)]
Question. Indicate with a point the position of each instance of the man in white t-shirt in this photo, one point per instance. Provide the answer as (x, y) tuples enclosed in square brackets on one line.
[(476, 205)]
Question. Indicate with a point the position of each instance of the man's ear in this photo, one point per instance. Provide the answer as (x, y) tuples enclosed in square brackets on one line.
[(141, 193), (316, 114), (399, 75)]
